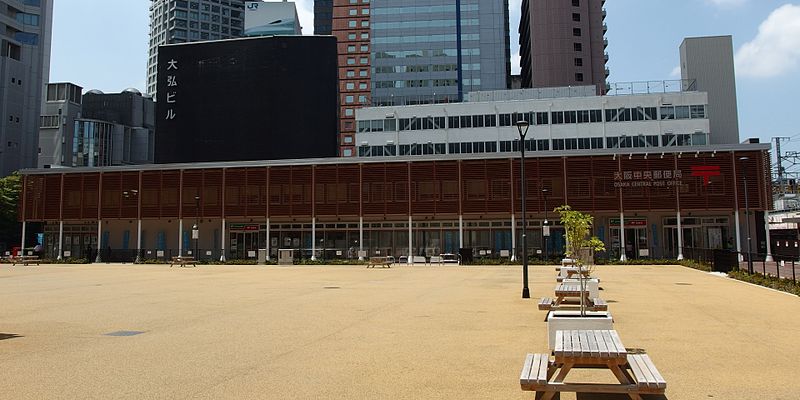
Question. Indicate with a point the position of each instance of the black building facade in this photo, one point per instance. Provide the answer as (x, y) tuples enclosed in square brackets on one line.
[(262, 98)]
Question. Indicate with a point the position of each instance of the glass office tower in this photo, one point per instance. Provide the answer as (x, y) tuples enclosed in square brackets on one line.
[(415, 51), (437, 51), (179, 21)]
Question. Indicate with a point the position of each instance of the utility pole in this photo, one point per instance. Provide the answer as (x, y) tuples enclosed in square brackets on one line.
[(780, 159)]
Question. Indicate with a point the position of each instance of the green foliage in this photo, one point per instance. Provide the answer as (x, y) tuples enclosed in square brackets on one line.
[(663, 261), (577, 226), (308, 261), (10, 187), (784, 285), (507, 261), (68, 260)]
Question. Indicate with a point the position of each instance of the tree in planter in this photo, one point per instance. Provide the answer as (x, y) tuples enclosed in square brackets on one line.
[(10, 187), (577, 226)]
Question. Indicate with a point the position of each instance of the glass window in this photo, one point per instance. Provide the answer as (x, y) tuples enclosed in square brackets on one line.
[(698, 111), (682, 112), (30, 38), (541, 118), (452, 122), (668, 112)]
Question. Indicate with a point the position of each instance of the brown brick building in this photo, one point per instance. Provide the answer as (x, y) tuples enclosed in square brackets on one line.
[(562, 43), (644, 204)]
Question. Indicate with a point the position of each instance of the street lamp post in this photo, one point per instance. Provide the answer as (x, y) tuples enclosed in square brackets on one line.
[(747, 219), (196, 227), (522, 127), (545, 226)]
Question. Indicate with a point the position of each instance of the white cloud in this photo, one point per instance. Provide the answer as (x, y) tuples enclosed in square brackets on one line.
[(776, 48), (515, 68), (676, 72), (305, 12)]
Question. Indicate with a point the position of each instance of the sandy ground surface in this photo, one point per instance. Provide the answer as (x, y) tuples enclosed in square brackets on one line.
[(347, 332)]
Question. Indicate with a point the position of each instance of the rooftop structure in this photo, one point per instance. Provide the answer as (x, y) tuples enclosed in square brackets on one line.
[(271, 18)]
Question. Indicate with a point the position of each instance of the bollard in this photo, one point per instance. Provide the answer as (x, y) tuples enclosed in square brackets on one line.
[(793, 279)]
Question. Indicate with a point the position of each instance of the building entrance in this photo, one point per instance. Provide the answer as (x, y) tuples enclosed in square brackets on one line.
[(637, 243)]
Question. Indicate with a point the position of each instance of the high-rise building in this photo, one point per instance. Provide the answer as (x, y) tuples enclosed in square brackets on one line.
[(180, 21), (25, 32), (406, 52), (707, 62), (562, 43), (259, 98), (323, 17), (61, 108)]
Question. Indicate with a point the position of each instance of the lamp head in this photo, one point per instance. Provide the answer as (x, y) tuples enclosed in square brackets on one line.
[(522, 127)]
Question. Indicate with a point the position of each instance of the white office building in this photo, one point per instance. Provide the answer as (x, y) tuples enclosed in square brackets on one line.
[(560, 119)]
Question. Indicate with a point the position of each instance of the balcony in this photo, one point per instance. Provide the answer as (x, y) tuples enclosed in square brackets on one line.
[(648, 87)]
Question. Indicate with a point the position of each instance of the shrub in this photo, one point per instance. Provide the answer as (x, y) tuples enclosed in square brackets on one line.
[(68, 260), (781, 284)]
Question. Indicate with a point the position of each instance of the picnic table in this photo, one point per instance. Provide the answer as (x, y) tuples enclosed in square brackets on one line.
[(566, 293), (24, 260), (384, 262), (183, 261), (573, 272), (603, 349)]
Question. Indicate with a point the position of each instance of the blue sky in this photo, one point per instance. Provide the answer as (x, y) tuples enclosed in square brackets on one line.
[(102, 44)]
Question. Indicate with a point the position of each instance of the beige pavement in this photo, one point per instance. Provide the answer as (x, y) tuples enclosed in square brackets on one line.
[(250, 332)]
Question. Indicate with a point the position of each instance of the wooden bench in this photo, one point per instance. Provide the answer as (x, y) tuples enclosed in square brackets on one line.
[(24, 260), (183, 261), (384, 262), (645, 374), (594, 304), (598, 304)]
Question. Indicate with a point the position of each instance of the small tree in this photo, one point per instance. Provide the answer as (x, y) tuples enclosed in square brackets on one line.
[(10, 188), (577, 226)]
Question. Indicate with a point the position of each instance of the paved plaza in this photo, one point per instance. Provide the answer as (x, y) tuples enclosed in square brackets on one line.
[(347, 332)]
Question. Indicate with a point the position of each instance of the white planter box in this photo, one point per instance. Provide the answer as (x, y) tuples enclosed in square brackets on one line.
[(570, 320), (592, 285)]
